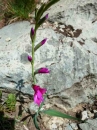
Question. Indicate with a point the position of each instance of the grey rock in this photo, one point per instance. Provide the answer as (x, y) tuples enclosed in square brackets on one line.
[(74, 126), (72, 60), (33, 106), (68, 127), (24, 58), (89, 125)]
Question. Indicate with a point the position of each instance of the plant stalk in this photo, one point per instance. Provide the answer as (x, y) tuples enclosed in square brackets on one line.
[(33, 57)]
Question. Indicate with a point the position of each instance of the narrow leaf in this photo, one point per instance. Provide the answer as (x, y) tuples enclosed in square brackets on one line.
[(41, 21), (35, 122), (36, 10), (52, 112), (40, 12), (52, 2)]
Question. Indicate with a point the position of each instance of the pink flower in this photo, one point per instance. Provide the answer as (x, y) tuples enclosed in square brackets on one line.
[(43, 70), (29, 58), (38, 95), (43, 41)]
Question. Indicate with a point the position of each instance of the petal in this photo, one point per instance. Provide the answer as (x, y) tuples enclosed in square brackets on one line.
[(42, 90), (38, 98), (46, 16), (39, 94), (36, 87)]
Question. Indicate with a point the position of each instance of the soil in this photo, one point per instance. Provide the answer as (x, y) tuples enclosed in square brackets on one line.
[(21, 118)]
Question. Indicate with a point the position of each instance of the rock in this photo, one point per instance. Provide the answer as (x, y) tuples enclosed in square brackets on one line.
[(68, 127), (74, 126), (53, 123), (89, 125), (84, 115), (33, 106), (70, 55), (95, 115), (8, 39), (90, 115)]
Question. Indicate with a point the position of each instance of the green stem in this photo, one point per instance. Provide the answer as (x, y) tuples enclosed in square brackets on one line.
[(33, 56)]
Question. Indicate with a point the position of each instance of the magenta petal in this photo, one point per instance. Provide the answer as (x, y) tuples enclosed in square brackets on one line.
[(29, 58), (46, 16), (39, 94), (36, 88), (43, 41), (43, 90), (32, 31), (43, 70), (38, 98)]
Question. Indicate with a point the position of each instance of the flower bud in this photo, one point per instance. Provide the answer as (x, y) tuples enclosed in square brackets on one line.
[(29, 58), (40, 44), (32, 31), (46, 16), (43, 70), (43, 41)]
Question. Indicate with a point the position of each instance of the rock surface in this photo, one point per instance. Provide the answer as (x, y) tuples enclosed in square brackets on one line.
[(89, 125), (70, 53)]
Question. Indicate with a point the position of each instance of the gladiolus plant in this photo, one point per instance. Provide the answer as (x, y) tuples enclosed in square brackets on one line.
[(39, 92)]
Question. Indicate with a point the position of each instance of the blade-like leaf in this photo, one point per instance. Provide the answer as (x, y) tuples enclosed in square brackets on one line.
[(35, 122), (50, 3), (36, 10), (52, 112), (41, 21), (40, 12)]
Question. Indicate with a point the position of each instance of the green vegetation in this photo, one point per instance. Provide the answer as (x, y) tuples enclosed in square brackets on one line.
[(20, 8), (10, 102)]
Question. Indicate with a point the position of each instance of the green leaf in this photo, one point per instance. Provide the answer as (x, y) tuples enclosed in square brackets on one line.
[(52, 112), (36, 10), (37, 46), (41, 21), (40, 12), (35, 122), (52, 2)]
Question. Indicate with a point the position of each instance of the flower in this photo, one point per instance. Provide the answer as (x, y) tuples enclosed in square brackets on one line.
[(43, 41), (46, 16), (38, 95), (44, 70), (29, 58), (32, 31)]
